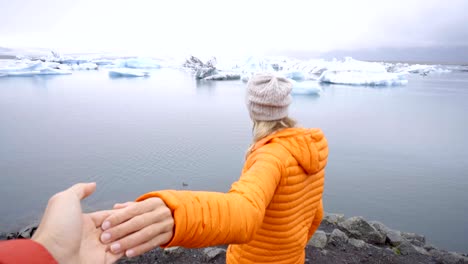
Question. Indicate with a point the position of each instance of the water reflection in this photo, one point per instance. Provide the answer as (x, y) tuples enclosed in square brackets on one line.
[(206, 87)]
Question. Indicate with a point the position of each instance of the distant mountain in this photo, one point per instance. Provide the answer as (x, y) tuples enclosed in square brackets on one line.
[(29, 52), (433, 55), (429, 55)]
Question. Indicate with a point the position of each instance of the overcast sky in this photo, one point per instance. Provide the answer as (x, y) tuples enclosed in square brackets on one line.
[(230, 27)]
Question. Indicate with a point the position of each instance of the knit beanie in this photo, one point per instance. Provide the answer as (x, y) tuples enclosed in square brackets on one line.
[(268, 97)]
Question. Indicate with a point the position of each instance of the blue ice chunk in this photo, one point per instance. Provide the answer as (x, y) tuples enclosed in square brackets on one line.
[(306, 88), (102, 62), (139, 63), (31, 68), (84, 66), (295, 75), (73, 61), (122, 72), (25, 66)]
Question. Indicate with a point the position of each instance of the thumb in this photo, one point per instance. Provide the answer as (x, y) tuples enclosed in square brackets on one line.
[(99, 216), (82, 190)]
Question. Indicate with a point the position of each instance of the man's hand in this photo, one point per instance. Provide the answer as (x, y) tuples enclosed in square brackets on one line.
[(68, 234)]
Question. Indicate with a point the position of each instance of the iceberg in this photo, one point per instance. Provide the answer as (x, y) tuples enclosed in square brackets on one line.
[(84, 66), (354, 72), (202, 70), (362, 78), (138, 63), (295, 75), (123, 72), (290, 68), (21, 66), (203, 73), (196, 63), (95, 61), (349, 71), (255, 65), (31, 68), (72, 61), (306, 88), (43, 71), (457, 68), (225, 76), (65, 67), (102, 62), (302, 70), (422, 69)]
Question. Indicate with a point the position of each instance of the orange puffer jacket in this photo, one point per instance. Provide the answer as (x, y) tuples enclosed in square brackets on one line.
[(269, 215)]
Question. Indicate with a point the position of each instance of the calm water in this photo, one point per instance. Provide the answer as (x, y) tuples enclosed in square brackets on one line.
[(398, 155)]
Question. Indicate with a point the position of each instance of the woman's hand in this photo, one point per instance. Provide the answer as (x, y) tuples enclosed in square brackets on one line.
[(138, 227)]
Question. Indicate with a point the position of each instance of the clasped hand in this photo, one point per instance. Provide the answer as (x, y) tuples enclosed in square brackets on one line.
[(129, 229), (138, 227)]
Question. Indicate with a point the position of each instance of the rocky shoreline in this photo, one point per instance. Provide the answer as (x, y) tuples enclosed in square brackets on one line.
[(338, 240)]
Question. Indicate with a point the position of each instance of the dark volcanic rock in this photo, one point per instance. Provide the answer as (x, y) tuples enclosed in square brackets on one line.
[(329, 245), (337, 237), (319, 239), (358, 227)]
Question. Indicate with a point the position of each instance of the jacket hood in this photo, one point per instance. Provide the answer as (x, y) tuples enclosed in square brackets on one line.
[(308, 146)]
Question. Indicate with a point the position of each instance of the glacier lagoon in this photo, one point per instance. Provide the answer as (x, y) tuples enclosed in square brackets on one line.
[(397, 154)]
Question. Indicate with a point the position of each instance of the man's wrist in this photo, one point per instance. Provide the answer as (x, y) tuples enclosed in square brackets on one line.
[(53, 249)]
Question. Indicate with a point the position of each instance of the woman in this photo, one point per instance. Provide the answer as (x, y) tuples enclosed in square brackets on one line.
[(268, 215)]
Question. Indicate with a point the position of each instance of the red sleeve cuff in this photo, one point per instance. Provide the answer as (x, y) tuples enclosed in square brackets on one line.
[(24, 251)]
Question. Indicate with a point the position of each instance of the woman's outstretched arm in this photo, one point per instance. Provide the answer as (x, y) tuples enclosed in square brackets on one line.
[(197, 219)]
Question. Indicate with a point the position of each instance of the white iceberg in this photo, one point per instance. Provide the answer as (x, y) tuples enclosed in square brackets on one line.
[(21, 66), (72, 61), (224, 76), (301, 70), (362, 78), (95, 61), (422, 69), (348, 71), (102, 62), (30, 68), (123, 72), (84, 66), (203, 70), (65, 67), (295, 75), (138, 63), (354, 72), (306, 88), (255, 65)]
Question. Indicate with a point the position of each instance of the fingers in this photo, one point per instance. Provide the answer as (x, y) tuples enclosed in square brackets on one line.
[(82, 190), (144, 240), (131, 211), (155, 242), (139, 222), (99, 216), (138, 227), (122, 205)]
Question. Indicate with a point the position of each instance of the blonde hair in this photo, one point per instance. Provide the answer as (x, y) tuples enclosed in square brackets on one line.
[(262, 129)]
